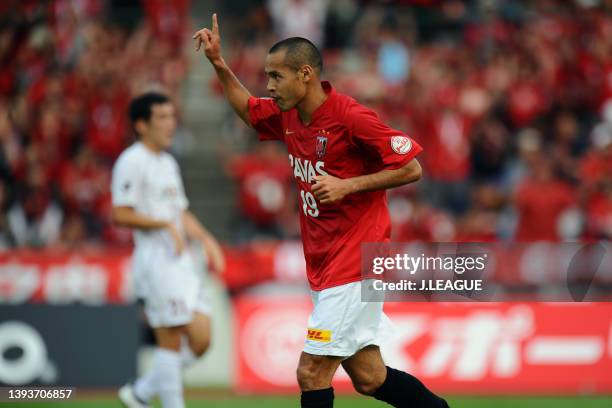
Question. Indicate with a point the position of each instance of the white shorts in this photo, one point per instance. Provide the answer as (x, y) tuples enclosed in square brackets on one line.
[(341, 324), (171, 288)]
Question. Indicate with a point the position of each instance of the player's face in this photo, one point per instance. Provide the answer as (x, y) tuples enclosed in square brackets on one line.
[(161, 126), (284, 84)]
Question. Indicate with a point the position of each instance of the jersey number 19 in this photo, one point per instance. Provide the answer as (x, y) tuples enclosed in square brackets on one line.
[(309, 204)]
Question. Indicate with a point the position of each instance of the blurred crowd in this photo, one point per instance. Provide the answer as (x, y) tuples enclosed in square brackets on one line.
[(68, 70), (511, 100)]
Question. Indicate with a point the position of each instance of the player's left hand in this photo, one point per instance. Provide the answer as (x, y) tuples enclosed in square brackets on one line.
[(329, 189), (210, 39), (216, 259)]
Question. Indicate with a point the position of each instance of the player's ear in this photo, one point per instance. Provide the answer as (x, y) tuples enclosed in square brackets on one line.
[(306, 73), (140, 126)]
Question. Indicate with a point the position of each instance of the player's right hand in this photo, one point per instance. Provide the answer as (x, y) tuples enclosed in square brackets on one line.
[(179, 242), (210, 39)]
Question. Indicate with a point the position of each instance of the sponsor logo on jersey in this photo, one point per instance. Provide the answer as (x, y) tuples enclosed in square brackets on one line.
[(323, 336), (306, 170), (401, 144)]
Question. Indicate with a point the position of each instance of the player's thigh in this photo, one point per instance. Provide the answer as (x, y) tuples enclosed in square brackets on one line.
[(199, 333), (366, 369), (169, 337), (315, 372)]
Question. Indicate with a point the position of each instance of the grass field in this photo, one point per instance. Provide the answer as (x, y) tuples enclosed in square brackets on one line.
[(345, 402)]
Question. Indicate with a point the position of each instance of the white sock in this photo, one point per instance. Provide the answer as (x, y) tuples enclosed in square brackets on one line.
[(145, 387), (187, 356), (163, 379), (169, 379)]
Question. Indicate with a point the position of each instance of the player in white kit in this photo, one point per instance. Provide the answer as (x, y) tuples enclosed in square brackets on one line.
[(148, 196)]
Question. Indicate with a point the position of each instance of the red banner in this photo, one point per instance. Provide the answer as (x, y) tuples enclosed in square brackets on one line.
[(454, 348), (91, 277), (98, 276)]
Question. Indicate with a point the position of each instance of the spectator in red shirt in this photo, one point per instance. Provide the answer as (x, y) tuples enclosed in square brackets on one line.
[(83, 183), (168, 19), (107, 125), (51, 137), (264, 181), (414, 220), (540, 201), (527, 97), (447, 159)]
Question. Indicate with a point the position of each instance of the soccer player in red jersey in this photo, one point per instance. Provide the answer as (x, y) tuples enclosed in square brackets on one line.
[(343, 158)]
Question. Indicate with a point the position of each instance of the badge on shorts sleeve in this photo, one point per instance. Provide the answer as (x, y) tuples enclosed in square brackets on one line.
[(401, 144)]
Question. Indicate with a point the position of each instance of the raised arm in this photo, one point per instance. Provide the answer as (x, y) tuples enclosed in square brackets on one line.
[(235, 92)]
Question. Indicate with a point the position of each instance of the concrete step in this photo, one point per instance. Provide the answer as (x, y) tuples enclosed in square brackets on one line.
[(212, 194)]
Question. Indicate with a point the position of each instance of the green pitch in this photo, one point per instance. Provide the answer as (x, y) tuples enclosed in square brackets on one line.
[(347, 402)]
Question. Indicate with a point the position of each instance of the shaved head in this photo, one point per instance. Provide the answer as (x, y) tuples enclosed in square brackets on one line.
[(299, 52)]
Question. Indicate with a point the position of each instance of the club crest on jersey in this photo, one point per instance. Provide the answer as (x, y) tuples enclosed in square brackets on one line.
[(321, 147), (401, 144)]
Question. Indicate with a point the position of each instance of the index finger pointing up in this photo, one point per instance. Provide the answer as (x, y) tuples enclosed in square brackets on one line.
[(215, 24)]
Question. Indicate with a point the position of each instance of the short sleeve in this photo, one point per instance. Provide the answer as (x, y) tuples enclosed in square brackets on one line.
[(265, 117), (126, 183), (394, 148)]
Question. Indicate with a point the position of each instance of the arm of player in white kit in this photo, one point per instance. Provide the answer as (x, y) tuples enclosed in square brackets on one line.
[(128, 217), (195, 230), (237, 95)]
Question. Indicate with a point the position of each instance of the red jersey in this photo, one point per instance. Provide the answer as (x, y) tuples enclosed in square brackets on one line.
[(539, 205), (344, 139)]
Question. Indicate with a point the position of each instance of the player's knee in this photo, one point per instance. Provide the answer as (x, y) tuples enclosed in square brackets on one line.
[(306, 377), (168, 338), (315, 372), (366, 388), (367, 383), (200, 346), (311, 377)]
